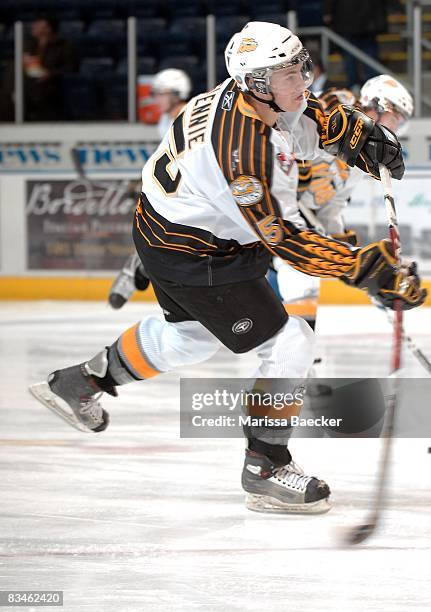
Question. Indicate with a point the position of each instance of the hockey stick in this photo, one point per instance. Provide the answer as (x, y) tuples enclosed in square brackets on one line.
[(361, 532), (311, 218), (78, 166)]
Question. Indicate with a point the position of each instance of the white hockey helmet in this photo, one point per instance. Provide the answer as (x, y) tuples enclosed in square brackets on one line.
[(384, 93), (173, 81), (260, 49)]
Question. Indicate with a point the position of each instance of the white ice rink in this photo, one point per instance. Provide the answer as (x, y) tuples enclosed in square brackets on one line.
[(137, 519)]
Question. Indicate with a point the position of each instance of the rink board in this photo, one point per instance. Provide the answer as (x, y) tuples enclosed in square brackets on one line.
[(64, 237)]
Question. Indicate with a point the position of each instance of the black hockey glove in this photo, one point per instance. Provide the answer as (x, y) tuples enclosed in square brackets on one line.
[(354, 138), (382, 147), (405, 286), (376, 271)]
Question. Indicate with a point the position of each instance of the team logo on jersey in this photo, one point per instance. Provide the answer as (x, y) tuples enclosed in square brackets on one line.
[(228, 100), (242, 326), (247, 45), (246, 190), (285, 161)]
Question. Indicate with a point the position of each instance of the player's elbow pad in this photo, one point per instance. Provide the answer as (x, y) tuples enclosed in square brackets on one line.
[(346, 133)]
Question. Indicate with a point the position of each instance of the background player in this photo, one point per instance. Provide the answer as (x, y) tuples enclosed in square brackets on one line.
[(171, 89), (325, 184), (215, 208)]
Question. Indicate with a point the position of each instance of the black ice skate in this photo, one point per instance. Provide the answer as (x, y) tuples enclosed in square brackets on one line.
[(73, 393), (283, 489), (130, 278)]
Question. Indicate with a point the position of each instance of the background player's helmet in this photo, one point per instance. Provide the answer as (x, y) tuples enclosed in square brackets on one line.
[(334, 96), (384, 93), (260, 49), (172, 81)]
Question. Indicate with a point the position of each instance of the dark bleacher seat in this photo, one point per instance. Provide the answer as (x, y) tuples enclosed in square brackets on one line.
[(310, 13), (199, 80), (183, 62), (225, 7), (62, 9), (143, 8), (175, 45), (109, 33), (97, 67), (71, 29), (185, 8), (98, 9), (222, 73), (192, 29), (107, 29), (146, 65), (227, 26), (280, 18), (114, 95), (92, 48), (7, 44), (258, 9), (150, 33), (80, 97)]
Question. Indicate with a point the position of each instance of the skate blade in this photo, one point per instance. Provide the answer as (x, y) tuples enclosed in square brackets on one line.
[(42, 392), (264, 503)]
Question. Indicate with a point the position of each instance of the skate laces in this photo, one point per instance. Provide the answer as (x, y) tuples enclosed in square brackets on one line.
[(91, 407), (292, 476)]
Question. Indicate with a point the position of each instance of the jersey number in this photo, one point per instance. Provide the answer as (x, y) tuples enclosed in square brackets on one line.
[(167, 179)]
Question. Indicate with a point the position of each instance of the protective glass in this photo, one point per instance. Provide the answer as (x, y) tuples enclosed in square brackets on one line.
[(299, 77), (261, 77)]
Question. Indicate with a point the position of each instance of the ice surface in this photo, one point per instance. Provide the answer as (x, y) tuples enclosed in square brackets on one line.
[(136, 519)]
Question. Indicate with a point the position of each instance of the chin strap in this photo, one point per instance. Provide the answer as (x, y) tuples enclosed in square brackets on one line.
[(271, 103)]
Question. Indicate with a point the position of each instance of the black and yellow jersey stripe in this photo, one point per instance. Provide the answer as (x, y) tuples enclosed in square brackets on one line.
[(191, 255), (253, 157)]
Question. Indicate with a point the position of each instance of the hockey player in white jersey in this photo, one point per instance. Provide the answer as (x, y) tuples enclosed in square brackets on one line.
[(326, 184), (171, 89), (216, 206)]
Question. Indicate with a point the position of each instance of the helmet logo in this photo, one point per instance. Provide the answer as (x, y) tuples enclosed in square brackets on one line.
[(391, 83), (247, 44)]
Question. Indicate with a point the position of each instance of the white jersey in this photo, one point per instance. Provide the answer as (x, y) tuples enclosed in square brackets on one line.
[(220, 192)]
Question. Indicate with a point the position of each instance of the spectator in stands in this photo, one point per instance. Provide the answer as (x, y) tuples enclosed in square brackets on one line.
[(359, 21), (47, 57)]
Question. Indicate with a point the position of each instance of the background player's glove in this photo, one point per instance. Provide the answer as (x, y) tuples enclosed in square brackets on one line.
[(349, 236), (376, 271), (381, 146)]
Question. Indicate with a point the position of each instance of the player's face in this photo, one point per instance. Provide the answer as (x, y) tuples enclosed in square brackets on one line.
[(164, 101), (393, 120), (288, 87)]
